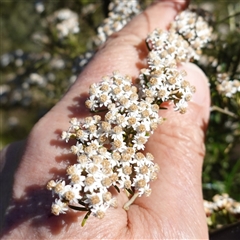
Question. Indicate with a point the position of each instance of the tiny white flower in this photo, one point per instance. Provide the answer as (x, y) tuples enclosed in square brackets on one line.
[(77, 149), (139, 141), (74, 123), (59, 207), (65, 136)]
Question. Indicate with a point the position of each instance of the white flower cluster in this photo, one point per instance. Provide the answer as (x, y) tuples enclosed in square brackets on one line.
[(226, 86), (181, 43), (222, 202), (120, 13), (109, 149), (194, 29), (163, 81), (66, 22)]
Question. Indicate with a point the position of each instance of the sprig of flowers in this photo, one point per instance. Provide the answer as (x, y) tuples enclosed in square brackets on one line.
[(120, 13), (109, 148), (221, 203), (226, 86), (66, 22), (194, 29)]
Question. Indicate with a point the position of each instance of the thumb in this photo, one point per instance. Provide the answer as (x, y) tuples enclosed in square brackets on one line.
[(178, 148)]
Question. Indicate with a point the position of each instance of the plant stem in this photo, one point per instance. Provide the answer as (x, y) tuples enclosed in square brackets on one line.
[(131, 200), (225, 111)]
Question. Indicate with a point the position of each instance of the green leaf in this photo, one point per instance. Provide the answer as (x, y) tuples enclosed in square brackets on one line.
[(78, 208), (145, 78), (149, 49), (85, 218), (130, 191), (116, 187)]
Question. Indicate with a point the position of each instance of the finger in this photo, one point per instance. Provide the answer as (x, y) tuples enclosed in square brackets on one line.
[(178, 147), (125, 50)]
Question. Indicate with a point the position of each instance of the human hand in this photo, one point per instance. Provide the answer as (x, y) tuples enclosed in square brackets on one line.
[(173, 211)]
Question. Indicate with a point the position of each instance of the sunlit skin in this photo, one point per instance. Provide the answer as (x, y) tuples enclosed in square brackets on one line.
[(175, 208)]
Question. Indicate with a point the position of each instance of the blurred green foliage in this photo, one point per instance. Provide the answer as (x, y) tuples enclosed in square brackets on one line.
[(19, 22)]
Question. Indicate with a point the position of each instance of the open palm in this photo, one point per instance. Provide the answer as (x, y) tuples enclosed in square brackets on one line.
[(175, 208)]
